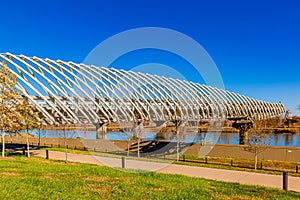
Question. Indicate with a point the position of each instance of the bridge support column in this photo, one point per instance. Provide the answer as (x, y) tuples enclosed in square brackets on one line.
[(163, 132), (101, 130), (243, 127)]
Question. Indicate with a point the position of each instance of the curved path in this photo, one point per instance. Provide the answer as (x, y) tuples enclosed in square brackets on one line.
[(242, 177)]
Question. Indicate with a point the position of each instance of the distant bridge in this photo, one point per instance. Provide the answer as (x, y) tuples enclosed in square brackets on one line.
[(67, 92)]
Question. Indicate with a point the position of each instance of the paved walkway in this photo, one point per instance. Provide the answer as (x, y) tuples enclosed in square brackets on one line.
[(250, 178)]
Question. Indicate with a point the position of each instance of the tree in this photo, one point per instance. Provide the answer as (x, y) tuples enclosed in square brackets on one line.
[(15, 111), (9, 117), (29, 119), (258, 141), (257, 144)]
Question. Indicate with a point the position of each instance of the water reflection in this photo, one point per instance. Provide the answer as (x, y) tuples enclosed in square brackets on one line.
[(285, 139)]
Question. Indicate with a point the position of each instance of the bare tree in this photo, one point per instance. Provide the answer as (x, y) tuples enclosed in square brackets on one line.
[(257, 144), (130, 136)]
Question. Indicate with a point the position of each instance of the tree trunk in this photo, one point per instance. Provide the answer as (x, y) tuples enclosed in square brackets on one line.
[(27, 141), (177, 151), (138, 147), (128, 146), (10, 137), (255, 161), (3, 143)]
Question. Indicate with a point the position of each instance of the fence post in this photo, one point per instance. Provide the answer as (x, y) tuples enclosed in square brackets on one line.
[(285, 181), (123, 162), (47, 154)]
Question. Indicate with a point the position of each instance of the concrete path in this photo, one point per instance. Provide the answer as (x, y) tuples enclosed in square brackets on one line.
[(242, 177)]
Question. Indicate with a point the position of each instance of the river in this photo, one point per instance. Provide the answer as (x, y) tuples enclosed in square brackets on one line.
[(284, 139)]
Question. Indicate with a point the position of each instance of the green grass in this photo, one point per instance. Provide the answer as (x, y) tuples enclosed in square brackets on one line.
[(37, 178)]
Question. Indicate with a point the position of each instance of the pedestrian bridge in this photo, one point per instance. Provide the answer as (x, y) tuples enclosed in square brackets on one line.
[(68, 92)]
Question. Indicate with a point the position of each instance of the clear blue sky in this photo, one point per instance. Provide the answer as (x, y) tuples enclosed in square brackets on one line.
[(255, 44)]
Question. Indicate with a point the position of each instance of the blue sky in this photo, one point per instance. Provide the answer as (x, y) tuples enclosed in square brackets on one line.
[(255, 44)]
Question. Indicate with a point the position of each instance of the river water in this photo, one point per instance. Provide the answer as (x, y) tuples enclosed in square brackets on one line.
[(284, 139)]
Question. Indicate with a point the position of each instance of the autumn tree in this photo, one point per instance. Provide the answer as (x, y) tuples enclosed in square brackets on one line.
[(15, 111), (29, 119), (9, 118)]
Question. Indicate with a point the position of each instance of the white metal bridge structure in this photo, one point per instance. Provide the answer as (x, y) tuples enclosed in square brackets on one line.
[(67, 92)]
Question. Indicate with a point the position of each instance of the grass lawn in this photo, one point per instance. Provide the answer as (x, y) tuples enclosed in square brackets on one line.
[(37, 178)]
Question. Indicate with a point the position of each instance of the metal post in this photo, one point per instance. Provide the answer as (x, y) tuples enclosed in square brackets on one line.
[(123, 162), (47, 154), (285, 181)]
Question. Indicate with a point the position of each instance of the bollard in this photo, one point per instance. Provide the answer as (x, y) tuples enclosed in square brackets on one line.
[(285, 181), (296, 168), (231, 162), (47, 154), (206, 160), (261, 165), (123, 162)]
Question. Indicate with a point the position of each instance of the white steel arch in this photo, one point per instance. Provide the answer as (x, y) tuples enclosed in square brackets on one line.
[(78, 93)]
